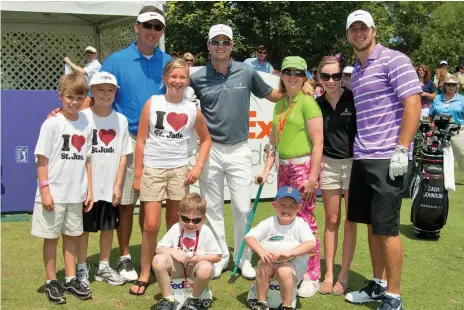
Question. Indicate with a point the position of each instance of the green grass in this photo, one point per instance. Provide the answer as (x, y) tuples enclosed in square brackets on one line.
[(432, 273)]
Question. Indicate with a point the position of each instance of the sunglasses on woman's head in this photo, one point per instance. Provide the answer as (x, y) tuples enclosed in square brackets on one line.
[(221, 42), (451, 84), (149, 26), (195, 220), (326, 77), (297, 73)]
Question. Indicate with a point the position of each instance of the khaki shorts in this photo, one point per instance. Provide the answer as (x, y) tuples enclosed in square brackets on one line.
[(129, 196), (457, 143), (160, 184), (66, 220), (336, 173), (299, 268), (177, 270)]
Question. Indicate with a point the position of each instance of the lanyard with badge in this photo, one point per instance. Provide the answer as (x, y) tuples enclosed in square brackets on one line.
[(280, 127), (185, 243)]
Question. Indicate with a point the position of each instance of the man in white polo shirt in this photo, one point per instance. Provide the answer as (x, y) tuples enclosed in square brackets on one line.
[(92, 65)]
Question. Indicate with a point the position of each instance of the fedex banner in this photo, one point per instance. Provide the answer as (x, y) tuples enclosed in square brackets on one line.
[(24, 111)]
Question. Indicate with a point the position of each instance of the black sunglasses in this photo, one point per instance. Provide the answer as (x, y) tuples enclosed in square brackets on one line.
[(221, 42), (262, 52), (188, 60), (326, 77), (195, 220), (297, 73), (451, 84), (149, 26)]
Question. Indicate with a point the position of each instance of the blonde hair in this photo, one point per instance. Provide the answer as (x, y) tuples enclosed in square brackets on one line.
[(73, 84), (193, 203), (308, 87), (189, 54), (175, 64)]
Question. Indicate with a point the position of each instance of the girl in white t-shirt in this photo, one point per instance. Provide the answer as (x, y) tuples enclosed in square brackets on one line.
[(167, 124)]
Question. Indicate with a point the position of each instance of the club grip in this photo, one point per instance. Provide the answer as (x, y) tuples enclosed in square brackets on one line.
[(260, 180)]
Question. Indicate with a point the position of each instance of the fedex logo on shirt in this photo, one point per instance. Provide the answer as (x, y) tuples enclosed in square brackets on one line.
[(77, 141), (106, 136)]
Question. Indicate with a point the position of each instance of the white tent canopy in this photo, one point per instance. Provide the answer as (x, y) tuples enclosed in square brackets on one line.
[(37, 34)]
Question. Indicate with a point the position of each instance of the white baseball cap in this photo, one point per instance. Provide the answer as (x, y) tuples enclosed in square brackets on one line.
[(443, 62), (220, 29), (348, 70), (103, 77), (360, 16), (145, 17), (91, 49)]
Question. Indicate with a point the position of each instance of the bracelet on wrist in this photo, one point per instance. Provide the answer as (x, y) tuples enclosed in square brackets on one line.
[(43, 184)]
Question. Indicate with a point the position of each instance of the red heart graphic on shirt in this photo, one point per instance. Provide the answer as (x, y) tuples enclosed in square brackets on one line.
[(188, 243), (177, 121), (107, 135), (78, 141)]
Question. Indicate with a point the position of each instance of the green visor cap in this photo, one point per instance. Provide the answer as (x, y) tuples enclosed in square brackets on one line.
[(294, 62)]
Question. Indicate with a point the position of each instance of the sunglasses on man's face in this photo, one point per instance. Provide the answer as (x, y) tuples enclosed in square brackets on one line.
[(262, 52), (221, 42), (326, 77), (149, 26), (451, 84), (297, 73), (195, 220)]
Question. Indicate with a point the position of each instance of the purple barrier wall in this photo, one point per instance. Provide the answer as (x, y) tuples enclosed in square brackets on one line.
[(23, 112)]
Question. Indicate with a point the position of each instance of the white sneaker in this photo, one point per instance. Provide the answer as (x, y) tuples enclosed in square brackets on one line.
[(308, 288), (83, 276), (247, 270), (125, 268), (220, 267), (371, 292), (109, 275)]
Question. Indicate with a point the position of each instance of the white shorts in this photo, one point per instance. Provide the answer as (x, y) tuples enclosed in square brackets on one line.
[(336, 173), (66, 220)]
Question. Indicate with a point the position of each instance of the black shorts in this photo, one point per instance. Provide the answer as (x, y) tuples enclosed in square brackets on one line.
[(374, 198), (103, 216)]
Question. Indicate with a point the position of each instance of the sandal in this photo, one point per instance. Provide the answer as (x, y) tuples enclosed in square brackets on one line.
[(326, 288), (339, 288), (140, 284)]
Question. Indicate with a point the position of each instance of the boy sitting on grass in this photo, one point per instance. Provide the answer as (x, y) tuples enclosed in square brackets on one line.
[(189, 249), (294, 262)]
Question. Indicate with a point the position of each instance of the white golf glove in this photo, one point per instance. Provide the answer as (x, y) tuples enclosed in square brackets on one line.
[(399, 162)]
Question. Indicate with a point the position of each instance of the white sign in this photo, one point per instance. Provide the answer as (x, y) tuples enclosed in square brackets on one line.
[(261, 112)]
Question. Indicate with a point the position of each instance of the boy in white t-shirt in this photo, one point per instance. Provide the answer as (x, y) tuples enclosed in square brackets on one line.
[(65, 182), (290, 272), (110, 145), (189, 249)]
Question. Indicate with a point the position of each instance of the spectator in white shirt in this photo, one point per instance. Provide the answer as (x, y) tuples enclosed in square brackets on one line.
[(92, 65)]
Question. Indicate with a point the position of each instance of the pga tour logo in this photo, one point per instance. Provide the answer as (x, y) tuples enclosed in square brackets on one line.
[(22, 153)]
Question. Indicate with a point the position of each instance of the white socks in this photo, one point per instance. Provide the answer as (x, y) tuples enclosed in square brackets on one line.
[(126, 256), (381, 282), (103, 264), (82, 266)]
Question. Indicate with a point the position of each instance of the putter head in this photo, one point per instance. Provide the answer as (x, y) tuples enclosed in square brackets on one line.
[(232, 279)]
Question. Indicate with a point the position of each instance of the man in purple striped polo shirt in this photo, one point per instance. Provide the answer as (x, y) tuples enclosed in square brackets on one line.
[(386, 94)]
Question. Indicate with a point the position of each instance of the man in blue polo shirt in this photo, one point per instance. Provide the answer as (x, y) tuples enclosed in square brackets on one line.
[(224, 87), (138, 69), (259, 62)]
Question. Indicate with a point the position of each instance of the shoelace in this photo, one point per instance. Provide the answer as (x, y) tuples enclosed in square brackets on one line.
[(164, 302), (126, 264), (57, 287), (192, 304), (79, 284), (82, 273), (371, 285)]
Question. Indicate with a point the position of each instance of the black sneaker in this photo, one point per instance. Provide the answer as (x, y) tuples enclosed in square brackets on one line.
[(371, 292), (78, 289), (55, 292), (166, 304), (192, 304), (260, 306), (282, 307), (125, 268), (391, 303)]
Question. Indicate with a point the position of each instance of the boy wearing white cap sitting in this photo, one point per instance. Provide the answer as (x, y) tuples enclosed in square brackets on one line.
[(287, 266), (92, 65), (110, 146)]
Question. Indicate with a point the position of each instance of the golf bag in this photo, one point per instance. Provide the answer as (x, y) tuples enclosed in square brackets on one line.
[(430, 203)]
